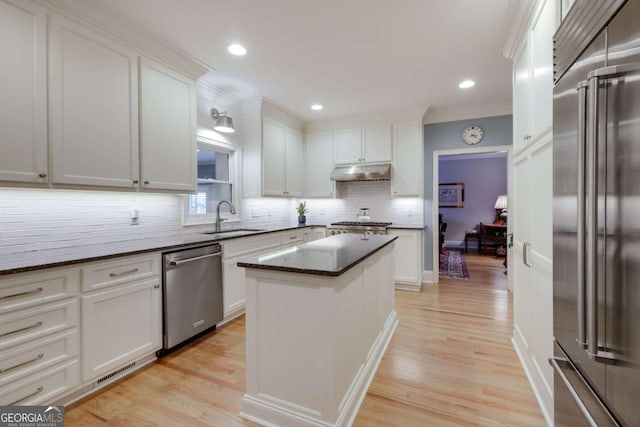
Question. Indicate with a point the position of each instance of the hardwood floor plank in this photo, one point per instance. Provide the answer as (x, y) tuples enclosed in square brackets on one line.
[(450, 363)]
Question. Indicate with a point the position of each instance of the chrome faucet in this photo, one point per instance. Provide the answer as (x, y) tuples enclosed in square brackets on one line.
[(232, 210)]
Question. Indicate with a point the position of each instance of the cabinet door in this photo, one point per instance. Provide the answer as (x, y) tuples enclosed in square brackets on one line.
[(348, 146), (542, 68), (294, 163), (273, 167), (167, 129), (406, 178), (407, 254), (23, 85), (522, 99), (94, 108), (120, 325), (234, 294), (319, 164), (377, 144)]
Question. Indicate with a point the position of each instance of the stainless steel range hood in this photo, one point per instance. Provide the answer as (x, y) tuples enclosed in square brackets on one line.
[(361, 173)]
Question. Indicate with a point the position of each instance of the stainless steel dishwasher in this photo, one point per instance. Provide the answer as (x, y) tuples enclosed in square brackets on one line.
[(192, 284)]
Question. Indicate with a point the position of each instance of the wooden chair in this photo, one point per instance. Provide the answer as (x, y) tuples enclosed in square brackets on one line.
[(494, 235)]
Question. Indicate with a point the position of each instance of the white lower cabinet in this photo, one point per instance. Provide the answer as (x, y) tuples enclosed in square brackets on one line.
[(120, 325), (314, 233), (408, 258), (42, 388)]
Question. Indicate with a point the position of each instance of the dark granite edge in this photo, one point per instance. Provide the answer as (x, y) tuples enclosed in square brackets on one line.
[(316, 272), (406, 227), (195, 243)]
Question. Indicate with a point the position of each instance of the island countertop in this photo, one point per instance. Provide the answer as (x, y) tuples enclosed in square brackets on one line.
[(331, 256)]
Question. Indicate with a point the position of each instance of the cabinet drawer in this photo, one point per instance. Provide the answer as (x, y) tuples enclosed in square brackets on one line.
[(43, 387), (35, 356), (29, 289), (17, 328), (246, 245), (292, 237), (121, 270)]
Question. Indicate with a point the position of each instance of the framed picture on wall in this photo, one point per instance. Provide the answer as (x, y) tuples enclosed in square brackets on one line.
[(451, 195)]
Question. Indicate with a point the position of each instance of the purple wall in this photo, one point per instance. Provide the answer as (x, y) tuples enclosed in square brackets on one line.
[(484, 178)]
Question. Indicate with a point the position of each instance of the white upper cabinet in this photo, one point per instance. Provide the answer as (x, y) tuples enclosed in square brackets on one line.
[(522, 98), (319, 164), (23, 84), (282, 159), (273, 134), (532, 78), (376, 144), (348, 146), (406, 177), (294, 163), (542, 68), (93, 108), (370, 144), (167, 129)]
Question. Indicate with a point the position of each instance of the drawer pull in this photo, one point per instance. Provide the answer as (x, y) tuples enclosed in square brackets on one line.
[(293, 237), (38, 357), (123, 273), (22, 294), (38, 390), (17, 331)]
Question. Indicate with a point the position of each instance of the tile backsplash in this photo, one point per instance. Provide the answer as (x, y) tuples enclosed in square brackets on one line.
[(32, 219)]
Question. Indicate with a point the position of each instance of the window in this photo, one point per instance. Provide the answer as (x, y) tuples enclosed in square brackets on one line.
[(215, 183)]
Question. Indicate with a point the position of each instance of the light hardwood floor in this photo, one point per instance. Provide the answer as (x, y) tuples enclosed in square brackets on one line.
[(450, 363)]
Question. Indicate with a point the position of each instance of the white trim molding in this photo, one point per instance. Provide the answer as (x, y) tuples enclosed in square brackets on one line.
[(441, 115), (515, 26)]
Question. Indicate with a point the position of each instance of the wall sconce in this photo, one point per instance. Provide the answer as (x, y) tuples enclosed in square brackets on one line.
[(501, 210), (224, 123)]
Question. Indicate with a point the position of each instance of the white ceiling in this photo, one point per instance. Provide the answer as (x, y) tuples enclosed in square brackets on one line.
[(353, 56)]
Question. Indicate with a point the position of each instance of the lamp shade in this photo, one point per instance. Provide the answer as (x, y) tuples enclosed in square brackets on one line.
[(224, 124), (501, 203)]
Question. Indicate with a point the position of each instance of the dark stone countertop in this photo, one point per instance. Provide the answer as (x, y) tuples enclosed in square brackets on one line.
[(19, 262), (325, 257)]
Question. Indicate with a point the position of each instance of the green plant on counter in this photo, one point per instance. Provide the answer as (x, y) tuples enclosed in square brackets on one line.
[(302, 208)]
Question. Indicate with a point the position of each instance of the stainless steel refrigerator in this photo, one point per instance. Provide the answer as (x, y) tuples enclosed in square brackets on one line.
[(596, 206)]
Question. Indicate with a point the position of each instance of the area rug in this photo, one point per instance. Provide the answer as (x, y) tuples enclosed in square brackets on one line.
[(452, 264)]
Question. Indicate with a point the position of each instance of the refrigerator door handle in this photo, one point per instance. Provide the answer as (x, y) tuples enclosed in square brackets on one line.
[(591, 270), (582, 134), (614, 71), (553, 361)]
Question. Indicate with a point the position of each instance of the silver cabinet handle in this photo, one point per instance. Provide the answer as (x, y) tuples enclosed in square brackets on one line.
[(38, 357), (184, 261), (582, 136), (122, 273), (156, 286), (22, 294), (38, 390), (17, 331), (553, 361), (42, 175), (146, 183), (525, 256), (293, 237), (135, 181)]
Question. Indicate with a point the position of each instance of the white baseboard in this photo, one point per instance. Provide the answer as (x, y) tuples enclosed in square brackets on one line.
[(266, 413), (406, 286), (427, 277), (547, 412)]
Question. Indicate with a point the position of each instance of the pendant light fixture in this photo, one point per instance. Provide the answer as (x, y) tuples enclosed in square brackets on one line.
[(224, 123)]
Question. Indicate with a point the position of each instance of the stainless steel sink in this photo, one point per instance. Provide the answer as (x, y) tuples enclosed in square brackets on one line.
[(232, 233)]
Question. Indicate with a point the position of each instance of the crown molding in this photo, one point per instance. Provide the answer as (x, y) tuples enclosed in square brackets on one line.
[(440, 115), (515, 26), (100, 18), (358, 120)]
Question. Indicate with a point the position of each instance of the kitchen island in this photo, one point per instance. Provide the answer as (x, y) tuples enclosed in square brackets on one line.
[(319, 317)]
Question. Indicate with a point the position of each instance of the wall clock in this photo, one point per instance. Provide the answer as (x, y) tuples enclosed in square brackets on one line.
[(472, 135)]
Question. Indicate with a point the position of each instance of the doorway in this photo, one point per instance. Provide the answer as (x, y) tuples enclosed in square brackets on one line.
[(472, 199)]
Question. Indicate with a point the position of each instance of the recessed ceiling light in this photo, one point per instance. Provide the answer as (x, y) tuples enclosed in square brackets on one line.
[(466, 84), (236, 49), (317, 107)]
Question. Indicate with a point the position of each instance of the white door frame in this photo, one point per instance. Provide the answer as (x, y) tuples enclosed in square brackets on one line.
[(434, 198)]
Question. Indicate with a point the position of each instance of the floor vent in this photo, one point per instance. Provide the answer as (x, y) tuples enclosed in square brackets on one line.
[(115, 373)]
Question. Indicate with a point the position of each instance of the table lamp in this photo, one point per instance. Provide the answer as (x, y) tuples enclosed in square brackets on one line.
[(501, 210)]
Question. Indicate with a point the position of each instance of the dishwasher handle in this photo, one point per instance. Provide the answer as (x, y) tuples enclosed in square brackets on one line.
[(184, 261)]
